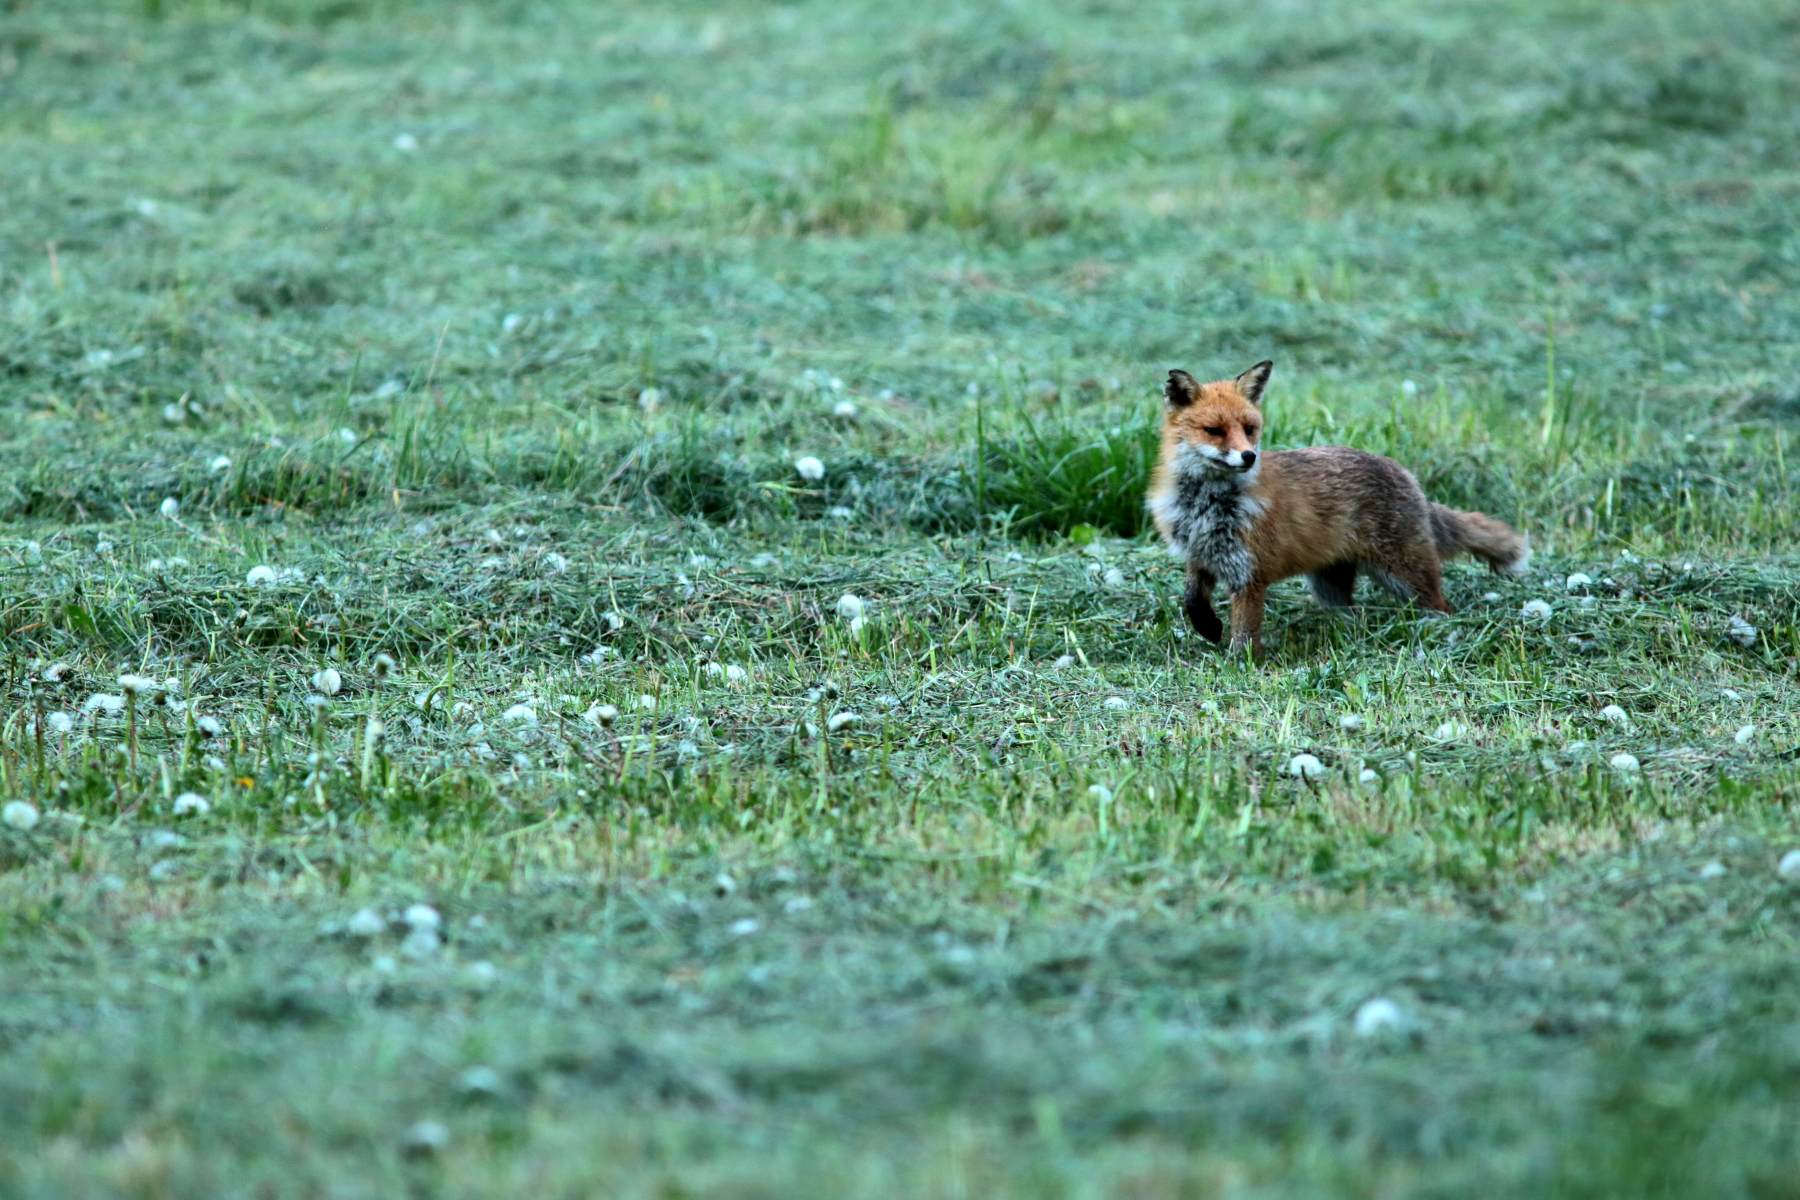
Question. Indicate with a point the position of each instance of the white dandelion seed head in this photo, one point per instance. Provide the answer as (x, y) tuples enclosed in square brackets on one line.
[(1063, 662), (1491, 597), (810, 468), (319, 704), (137, 685), (1368, 776), (857, 625), (1741, 631), (520, 714), (843, 408), (716, 670), (192, 804), (1408, 388), (555, 563), (647, 703), (1625, 764), (849, 606), (840, 512), (736, 674), (603, 715), (170, 508), (508, 323), (1614, 715), (260, 577), (219, 464), (1305, 766), (327, 682), (19, 814), (212, 727), (1787, 868), (1116, 703), (422, 916), (1449, 731), (1350, 722), (365, 923), (1101, 793), (60, 722), (55, 671), (406, 143), (1113, 578), (1378, 1016), (1713, 870), (1744, 734), (103, 702), (1577, 581), (614, 622), (650, 399), (745, 926), (383, 665), (840, 719), (1535, 608)]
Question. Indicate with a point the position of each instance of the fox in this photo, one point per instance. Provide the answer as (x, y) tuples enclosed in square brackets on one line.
[(1247, 520)]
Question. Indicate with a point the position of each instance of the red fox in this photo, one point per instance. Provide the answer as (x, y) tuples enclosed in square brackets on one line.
[(1248, 520)]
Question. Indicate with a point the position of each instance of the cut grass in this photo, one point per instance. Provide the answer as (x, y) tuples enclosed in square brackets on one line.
[(512, 323)]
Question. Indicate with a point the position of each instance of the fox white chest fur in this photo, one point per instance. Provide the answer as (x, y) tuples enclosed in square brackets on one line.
[(1203, 515)]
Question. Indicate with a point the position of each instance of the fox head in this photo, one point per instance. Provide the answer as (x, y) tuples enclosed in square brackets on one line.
[(1215, 426)]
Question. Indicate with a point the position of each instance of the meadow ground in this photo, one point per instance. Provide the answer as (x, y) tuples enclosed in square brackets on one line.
[(510, 804)]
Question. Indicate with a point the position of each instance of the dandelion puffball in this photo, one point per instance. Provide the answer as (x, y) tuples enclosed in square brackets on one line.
[(1305, 766), (103, 702), (327, 682), (1114, 578), (192, 804), (1713, 870), (840, 719), (60, 722), (1615, 715), (809, 468), (735, 674), (1535, 608), (422, 916), (1787, 868), (604, 715), (1378, 1016), (1367, 776), (1063, 662), (849, 606), (647, 703), (19, 815), (857, 625), (170, 508), (1625, 764), (843, 408), (520, 714), (366, 923), (221, 463), (1744, 734), (260, 577), (1101, 793), (1577, 581), (1350, 723), (1450, 731), (137, 685), (555, 563), (212, 727), (1741, 631), (1116, 703)]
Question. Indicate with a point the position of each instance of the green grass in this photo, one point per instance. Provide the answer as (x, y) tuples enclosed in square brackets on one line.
[(494, 331)]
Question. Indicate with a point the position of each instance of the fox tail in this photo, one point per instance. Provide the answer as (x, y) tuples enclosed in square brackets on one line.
[(1496, 543)]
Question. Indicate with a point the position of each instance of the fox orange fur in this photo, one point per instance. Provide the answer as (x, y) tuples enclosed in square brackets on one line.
[(1248, 520)]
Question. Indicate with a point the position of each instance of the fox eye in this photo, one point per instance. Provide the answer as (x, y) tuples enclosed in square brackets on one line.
[(1249, 431), (1214, 431)]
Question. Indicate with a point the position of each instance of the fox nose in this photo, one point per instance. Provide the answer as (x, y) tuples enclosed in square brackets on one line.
[(1249, 459)]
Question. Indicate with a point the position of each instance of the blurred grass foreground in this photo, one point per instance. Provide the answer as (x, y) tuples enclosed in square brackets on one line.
[(578, 617)]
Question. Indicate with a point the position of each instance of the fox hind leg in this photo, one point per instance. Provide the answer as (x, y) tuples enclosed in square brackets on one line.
[(1334, 586), (1196, 602), (1419, 579)]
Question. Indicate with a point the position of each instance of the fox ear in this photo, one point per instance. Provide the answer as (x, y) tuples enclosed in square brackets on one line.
[(1251, 383), (1181, 390)]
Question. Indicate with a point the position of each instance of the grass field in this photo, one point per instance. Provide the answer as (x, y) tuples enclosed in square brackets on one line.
[(526, 781)]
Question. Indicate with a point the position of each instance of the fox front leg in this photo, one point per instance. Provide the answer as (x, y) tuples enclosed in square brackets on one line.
[(1247, 619), (1196, 602)]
